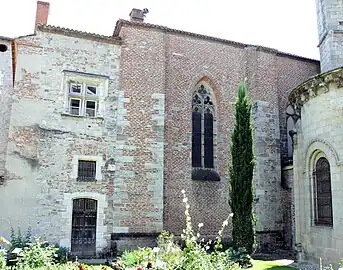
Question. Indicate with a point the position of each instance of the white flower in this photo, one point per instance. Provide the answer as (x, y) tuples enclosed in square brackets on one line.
[(225, 223), (185, 200), (201, 225), (207, 247), (231, 215), (156, 249), (198, 235), (183, 191)]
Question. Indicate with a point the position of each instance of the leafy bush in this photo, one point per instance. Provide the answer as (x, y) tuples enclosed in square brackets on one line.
[(136, 257), (38, 254), (194, 256), (62, 254), (20, 241), (2, 260), (240, 256)]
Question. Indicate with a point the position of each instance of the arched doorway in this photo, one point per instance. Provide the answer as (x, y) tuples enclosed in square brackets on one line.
[(83, 235)]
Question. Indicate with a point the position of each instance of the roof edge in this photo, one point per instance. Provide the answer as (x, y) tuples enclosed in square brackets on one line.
[(308, 89), (76, 33), (122, 22), (6, 38)]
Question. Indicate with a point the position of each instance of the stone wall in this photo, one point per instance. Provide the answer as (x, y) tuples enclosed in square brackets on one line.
[(267, 175), (44, 139), (6, 87), (319, 135), (330, 33)]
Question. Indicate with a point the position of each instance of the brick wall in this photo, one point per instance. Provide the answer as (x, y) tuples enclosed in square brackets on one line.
[(182, 61)]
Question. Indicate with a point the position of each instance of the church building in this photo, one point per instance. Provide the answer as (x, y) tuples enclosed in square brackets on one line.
[(99, 135)]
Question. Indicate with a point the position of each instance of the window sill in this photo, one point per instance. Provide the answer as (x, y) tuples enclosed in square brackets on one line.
[(204, 174), (322, 226), (81, 116), (88, 182)]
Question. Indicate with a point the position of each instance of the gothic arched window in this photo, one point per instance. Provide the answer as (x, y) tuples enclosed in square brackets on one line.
[(292, 117), (203, 118), (322, 193)]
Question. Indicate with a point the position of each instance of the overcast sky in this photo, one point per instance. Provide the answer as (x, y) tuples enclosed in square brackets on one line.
[(286, 25)]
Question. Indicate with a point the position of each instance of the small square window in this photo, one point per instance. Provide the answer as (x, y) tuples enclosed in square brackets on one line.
[(90, 108), (86, 171), (75, 88), (75, 106), (91, 90)]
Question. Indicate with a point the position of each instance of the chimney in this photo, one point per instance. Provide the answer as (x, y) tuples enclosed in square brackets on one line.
[(137, 15), (42, 13)]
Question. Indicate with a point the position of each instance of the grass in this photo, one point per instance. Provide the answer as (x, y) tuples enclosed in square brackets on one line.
[(274, 265)]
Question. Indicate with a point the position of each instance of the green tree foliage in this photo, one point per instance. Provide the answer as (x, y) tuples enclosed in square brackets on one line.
[(241, 174)]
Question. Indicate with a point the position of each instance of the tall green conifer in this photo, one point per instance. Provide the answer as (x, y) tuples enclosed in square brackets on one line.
[(241, 174)]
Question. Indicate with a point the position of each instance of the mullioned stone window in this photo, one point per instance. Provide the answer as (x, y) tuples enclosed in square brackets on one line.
[(203, 134), (84, 94)]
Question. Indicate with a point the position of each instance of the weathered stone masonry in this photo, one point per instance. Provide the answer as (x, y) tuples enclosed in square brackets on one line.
[(141, 137), (6, 86), (43, 140)]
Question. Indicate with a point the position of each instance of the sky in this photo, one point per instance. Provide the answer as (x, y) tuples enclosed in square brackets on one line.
[(287, 25)]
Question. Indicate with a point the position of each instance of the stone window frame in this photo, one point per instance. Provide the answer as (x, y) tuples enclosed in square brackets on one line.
[(101, 228), (75, 167), (316, 156), (203, 173), (84, 80)]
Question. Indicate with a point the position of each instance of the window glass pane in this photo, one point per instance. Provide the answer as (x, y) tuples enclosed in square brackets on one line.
[(90, 108), (323, 198), (290, 110), (208, 140), (196, 139), (86, 170), (75, 88), (290, 126), (91, 90), (74, 107)]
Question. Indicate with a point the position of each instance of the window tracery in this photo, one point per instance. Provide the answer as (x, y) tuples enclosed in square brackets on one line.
[(203, 117)]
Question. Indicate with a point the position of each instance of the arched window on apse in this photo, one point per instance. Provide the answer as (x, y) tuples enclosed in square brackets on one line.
[(203, 118), (322, 193)]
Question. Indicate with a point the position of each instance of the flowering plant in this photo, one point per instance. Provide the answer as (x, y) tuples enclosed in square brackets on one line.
[(194, 256)]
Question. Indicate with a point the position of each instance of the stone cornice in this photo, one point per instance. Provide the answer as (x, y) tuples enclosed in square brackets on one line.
[(316, 85)]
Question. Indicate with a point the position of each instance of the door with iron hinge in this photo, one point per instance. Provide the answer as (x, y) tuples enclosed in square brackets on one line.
[(83, 235)]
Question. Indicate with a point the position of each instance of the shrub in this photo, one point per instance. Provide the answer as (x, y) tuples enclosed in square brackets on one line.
[(62, 254), (38, 254), (2, 260), (136, 257), (240, 256), (20, 241)]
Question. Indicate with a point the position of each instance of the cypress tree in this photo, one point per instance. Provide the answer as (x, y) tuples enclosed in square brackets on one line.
[(241, 174)]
